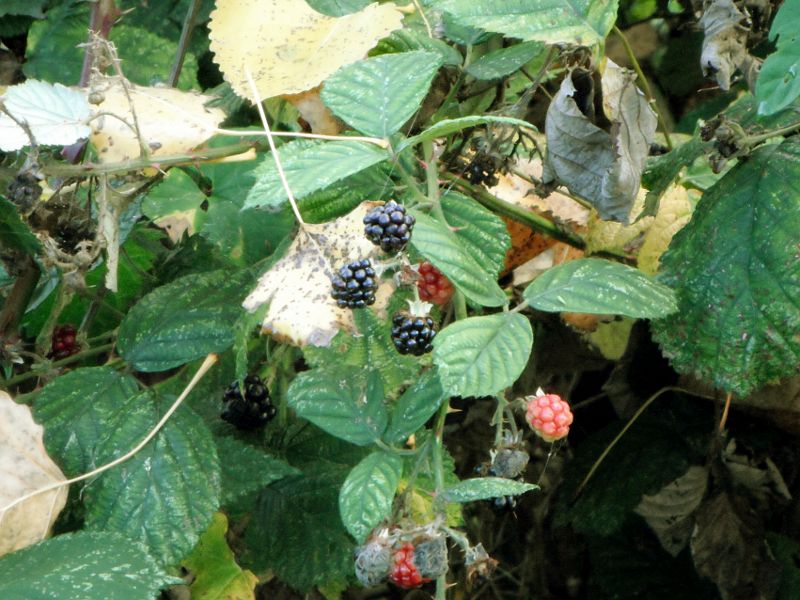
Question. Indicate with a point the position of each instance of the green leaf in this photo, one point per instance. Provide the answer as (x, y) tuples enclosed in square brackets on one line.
[(581, 22), (310, 166), (787, 552), (174, 479), (597, 286), (405, 40), (176, 197), (661, 171), (55, 115), (374, 347), (734, 268), (499, 63), (483, 488), (183, 320), (778, 83), (76, 410), (246, 469), (14, 233), (443, 249), (30, 8), (302, 514), (448, 126), (213, 565), (366, 496), (337, 8), (378, 95), (481, 356), (53, 52), (412, 410), (82, 566), (481, 233), (338, 400)]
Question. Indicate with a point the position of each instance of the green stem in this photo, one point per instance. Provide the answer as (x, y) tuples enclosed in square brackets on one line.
[(645, 85), (410, 182), (137, 164), (517, 213), (398, 451), (762, 137), (460, 305), (8, 383)]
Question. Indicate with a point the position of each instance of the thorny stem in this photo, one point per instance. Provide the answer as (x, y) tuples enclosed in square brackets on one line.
[(12, 381), (410, 183), (102, 18), (518, 214), (645, 85), (275, 156), (183, 44), (207, 364), (311, 136)]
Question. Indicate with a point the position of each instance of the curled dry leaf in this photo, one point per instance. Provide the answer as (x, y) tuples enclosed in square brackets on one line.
[(674, 211), (287, 45), (298, 286), (670, 511), (603, 168), (171, 121), (724, 40), (24, 468)]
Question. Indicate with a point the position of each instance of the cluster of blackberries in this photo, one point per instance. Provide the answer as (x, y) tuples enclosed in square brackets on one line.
[(355, 285), (24, 190), (63, 342), (250, 410), (389, 226), (412, 334)]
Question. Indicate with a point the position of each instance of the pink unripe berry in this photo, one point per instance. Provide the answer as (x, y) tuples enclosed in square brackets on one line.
[(548, 415)]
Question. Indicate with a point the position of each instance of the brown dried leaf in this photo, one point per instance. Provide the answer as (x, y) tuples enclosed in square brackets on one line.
[(724, 42), (298, 286), (728, 547), (24, 468), (603, 168), (670, 511)]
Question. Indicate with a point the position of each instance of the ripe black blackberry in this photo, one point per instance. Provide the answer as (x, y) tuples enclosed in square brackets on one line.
[(250, 410), (389, 226), (412, 334), (355, 285), (482, 171)]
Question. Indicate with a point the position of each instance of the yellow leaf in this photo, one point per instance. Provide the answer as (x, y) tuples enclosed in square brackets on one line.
[(288, 46), (171, 121), (217, 576), (674, 212), (611, 339), (298, 286), (24, 468), (616, 237)]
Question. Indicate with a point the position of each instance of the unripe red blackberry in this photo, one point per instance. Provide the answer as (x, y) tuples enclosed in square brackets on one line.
[(355, 285), (433, 285), (548, 415), (389, 226), (63, 342), (404, 573)]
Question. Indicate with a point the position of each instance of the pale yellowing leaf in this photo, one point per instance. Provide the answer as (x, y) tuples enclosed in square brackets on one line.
[(674, 212), (618, 237), (288, 46), (611, 339), (298, 286), (171, 121), (24, 468)]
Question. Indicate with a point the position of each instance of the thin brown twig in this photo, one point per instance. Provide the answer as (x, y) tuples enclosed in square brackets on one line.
[(183, 44)]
